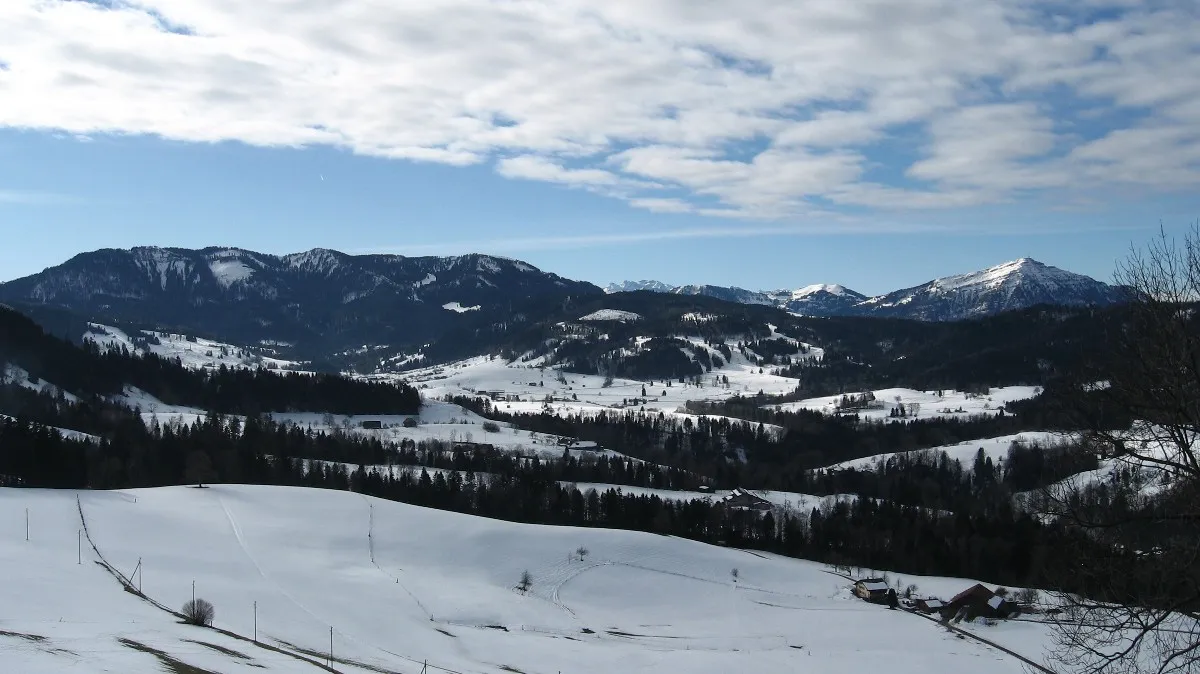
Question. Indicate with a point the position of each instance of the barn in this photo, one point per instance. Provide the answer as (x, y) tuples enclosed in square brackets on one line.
[(977, 602), (740, 499)]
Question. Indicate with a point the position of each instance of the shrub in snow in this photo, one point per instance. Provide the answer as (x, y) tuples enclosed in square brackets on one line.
[(491, 427), (199, 612), (410, 422), (526, 581)]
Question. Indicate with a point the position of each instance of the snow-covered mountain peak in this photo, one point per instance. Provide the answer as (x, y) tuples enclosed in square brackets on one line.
[(317, 260), (632, 286), (831, 288), (1017, 284), (1022, 270)]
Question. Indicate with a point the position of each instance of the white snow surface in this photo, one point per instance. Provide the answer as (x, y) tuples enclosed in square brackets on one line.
[(949, 404), (458, 308), (612, 315), (227, 272), (401, 585)]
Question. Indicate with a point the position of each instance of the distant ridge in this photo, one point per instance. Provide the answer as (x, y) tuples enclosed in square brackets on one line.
[(1010, 286)]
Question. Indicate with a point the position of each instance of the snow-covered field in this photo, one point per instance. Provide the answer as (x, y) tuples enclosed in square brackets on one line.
[(400, 585), (965, 452), (193, 352), (441, 421), (437, 421), (928, 403), (524, 387)]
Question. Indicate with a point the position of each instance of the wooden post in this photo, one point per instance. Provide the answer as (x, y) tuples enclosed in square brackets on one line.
[(256, 622)]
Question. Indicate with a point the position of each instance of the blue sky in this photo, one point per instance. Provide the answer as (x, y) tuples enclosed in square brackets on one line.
[(606, 141)]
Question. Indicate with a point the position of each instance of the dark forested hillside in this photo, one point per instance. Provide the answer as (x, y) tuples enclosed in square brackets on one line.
[(86, 371)]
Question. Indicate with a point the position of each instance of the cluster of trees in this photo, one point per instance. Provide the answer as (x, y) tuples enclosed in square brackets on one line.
[(714, 446), (931, 479)]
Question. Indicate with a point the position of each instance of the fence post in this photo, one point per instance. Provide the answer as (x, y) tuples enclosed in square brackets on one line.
[(256, 622), (330, 645)]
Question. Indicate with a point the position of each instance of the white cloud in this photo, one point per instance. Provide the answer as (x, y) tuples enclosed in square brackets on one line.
[(533, 167), (759, 108)]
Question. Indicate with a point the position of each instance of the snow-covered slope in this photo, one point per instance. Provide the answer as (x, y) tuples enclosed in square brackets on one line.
[(965, 452), (883, 403), (612, 315), (193, 352), (391, 587)]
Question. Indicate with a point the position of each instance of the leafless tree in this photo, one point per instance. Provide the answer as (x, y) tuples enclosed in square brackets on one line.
[(1135, 551), (199, 612)]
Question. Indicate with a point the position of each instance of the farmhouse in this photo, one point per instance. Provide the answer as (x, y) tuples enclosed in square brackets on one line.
[(871, 589), (740, 499), (372, 424), (977, 602)]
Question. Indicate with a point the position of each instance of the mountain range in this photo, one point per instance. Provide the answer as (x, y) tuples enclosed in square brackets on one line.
[(1011, 286), (319, 302), (381, 311)]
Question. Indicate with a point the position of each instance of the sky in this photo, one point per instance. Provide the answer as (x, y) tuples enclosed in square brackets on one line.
[(758, 143)]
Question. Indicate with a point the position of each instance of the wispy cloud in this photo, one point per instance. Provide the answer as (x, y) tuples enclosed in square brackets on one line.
[(32, 198), (756, 109)]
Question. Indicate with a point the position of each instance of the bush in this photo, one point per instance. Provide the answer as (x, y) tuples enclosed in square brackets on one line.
[(1028, 596), (491, 427), (410, 422), (199, 612)]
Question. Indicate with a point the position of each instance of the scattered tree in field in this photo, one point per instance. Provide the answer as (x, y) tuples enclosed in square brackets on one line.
[(410, 422), (526, 581), (582, 552), (199, 468), (199, 612), (491, 427)]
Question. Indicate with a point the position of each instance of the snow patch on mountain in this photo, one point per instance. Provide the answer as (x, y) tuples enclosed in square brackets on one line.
[(458, 308), (228, 272)]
